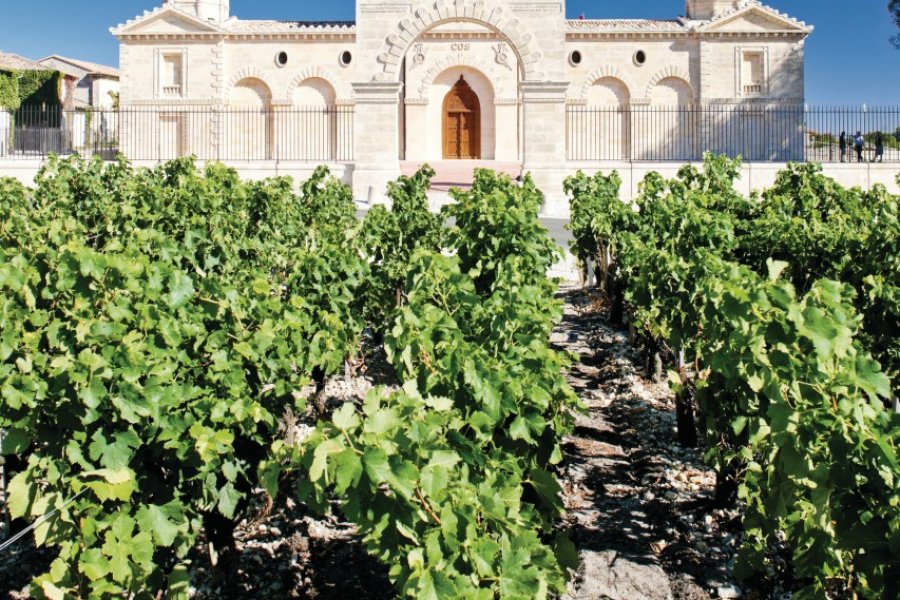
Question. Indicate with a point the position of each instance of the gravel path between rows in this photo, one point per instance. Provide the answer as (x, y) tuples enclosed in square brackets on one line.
[(638, 505)]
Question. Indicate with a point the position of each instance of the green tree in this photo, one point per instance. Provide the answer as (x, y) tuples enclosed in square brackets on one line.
[(894, 9)]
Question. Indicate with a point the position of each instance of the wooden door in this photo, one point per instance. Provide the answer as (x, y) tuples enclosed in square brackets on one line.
[(462, 123)]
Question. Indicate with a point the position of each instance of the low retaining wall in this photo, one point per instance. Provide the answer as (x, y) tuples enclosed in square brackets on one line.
[(25, 170), (758, 176), (754, 176)]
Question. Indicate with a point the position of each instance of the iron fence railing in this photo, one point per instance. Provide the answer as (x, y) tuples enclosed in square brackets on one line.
[(309, 134), (756, 132)]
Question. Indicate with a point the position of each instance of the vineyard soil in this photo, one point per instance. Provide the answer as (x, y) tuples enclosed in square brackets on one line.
[(637, 504)]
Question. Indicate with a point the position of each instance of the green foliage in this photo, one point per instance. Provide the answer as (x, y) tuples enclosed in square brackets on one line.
[(823, 230), (389, 240), (591, 196), (785, 391), (821, 452), (9, 91), (894, 9), (155, 325), (443, 508), (449, 480), (39, 87), (35, 88), (497, 224)]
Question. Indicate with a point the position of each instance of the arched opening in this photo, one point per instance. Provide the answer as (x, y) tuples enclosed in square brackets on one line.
[(249, 125), (670, 127), (400, 43), (312, 126), (608, 130), (314, 92), (461, 123), (490, 63), (672, 91)]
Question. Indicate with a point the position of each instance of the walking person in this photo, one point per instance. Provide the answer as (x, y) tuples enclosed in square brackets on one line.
[(858, 143), (879, 147), (842, 143)]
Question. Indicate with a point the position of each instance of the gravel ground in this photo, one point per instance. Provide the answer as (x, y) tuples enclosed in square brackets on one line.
[(638, 504)]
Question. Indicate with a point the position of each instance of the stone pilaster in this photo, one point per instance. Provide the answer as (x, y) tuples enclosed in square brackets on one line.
[(544, 143), (377, 138)]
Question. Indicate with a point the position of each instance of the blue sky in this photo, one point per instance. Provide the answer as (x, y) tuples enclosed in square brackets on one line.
[(849, 58)]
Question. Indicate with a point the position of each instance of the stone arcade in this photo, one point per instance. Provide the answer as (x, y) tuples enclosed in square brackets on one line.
[(433, 80)]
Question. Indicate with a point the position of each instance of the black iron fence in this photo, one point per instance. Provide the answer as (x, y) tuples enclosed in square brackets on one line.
[(309, 134), (757, 132)]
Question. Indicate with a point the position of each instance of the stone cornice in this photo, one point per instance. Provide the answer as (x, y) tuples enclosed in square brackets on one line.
[(306, 36), (659, 35), (170, 102), (298, 35), (377, 92), (550, 92), (460, 35)]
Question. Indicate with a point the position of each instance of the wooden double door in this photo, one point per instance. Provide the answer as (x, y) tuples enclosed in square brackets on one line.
[(462, 123)]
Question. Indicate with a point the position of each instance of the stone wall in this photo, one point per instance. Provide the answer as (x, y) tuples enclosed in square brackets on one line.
[(720, 68), (615, 59), (754, 176)]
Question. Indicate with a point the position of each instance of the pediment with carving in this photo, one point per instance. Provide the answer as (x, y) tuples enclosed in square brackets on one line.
[(166, 22)]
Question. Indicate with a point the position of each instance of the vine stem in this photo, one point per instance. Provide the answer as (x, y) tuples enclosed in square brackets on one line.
[(427, 507), (6, 520)]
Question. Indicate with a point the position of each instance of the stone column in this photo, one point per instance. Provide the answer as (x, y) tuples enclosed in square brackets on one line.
[(281, 129), (507, 129), (417, 130), (377, 138), (544, 143)]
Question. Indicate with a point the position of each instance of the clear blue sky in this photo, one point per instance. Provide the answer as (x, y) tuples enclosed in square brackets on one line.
[(849, 58)]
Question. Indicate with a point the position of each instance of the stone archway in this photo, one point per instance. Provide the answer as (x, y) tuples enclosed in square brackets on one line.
[(249, 126), (669, 125), (409, 29)]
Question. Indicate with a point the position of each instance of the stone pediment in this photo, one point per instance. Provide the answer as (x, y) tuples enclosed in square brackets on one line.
[(165, 21), (755, 18)]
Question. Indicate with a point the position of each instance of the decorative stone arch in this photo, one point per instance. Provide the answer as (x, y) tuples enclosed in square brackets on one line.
[(341, 88), (462, 60), (670, 72), (483, 12), (247, 72), (607, 71)]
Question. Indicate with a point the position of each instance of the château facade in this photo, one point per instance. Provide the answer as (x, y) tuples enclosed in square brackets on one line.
[(510, 81)]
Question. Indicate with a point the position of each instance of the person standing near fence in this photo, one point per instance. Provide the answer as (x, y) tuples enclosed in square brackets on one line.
[(858, 143), (879, 147), (842, 144)]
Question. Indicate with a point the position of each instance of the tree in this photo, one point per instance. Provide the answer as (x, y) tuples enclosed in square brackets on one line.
[(894, 9)]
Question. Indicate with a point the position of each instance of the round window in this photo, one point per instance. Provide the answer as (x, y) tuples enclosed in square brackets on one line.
[(575, 58), (346, 58), (281, 59), (640, 57)]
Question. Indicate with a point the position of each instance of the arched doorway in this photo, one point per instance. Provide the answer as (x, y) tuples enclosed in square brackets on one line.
[(313, 124), (609, 103), (249, 123), (462, 123), (672, 128)]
